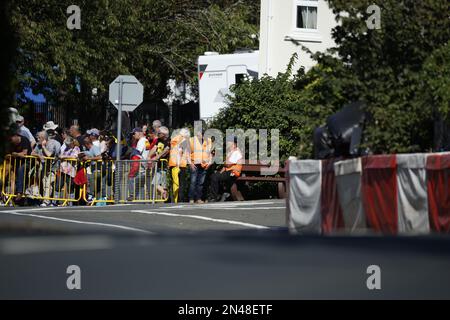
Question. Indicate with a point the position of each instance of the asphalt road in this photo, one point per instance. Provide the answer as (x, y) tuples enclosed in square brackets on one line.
[(148, 218), (212, 251)]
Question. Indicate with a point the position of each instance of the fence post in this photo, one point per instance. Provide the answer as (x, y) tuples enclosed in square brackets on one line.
[(118, 147)]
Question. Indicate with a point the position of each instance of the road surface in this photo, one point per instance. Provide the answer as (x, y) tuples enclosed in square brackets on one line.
[(213, 251)]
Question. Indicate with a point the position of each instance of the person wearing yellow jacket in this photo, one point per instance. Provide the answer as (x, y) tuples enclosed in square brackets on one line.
[(178, 159), (199, 163), (222, 181)]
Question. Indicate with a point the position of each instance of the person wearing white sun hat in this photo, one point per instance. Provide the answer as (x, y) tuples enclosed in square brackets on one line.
[(50, 125)]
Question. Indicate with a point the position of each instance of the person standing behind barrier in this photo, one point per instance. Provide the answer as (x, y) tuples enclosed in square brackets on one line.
[(162, 147), (94, 135), (47, 148), (24, 131), (152, 137), (228, 175), (20, 148), (138, 175), (68, 169), (63, 133), (109, 155), (96, 181), (200, 161), (132, 167), (103, 138), (156, 125), (76, 134), (179, 152), (161, 152), (50, 125)]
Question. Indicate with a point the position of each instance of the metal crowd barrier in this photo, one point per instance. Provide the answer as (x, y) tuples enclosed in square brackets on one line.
[(142, 181), (52, 180), (100, 182), (46, 179)]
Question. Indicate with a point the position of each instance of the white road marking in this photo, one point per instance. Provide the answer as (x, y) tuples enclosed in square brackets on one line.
[(74, 211), (244, 224), (68, 208), (116, 226), (48, 244), (223, 204), (226, 208)]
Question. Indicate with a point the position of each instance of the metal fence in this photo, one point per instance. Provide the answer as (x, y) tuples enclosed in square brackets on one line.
[(43, 111), (54, 181)]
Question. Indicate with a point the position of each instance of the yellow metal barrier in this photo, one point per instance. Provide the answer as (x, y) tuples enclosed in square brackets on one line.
[(52, 180), (8, 181), (16, 171), (100, 187), (66, 189), (39, 178), (143, 181)]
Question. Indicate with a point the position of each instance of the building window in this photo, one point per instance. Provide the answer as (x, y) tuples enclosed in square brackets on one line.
[(239, 78), (307, 15), (305, 21)]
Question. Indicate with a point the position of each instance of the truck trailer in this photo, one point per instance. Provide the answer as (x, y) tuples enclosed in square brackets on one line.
[(217, 72)]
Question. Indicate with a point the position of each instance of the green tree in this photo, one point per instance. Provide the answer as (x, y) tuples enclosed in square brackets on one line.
[(401, 71), (7, 83), (294, 104), (154, 40), (435, 93), (388, 64)]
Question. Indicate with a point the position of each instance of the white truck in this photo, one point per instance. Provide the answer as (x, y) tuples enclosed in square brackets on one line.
[(217, 72)]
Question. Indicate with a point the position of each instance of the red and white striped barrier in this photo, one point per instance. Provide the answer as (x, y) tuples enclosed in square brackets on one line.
[(388, 194)]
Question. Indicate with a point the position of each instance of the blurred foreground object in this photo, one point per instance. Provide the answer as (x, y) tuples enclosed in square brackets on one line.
[(7, 38), (342, 134)]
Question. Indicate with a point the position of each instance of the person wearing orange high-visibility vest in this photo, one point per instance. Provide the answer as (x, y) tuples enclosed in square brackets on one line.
[(199, 163), (228, 175), (179, 153)]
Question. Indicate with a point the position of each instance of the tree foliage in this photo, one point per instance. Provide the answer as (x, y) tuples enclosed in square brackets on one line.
[(151, 39), (7, 82), (400, 70), (292, 103), (435, 75), (388, 64)]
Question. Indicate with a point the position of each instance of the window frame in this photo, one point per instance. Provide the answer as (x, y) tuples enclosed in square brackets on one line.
[(305, 34)]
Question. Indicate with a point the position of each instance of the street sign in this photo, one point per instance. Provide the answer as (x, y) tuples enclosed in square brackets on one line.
[(126, 94), (132, 92)]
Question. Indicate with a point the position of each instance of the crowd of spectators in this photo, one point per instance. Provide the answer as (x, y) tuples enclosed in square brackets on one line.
[(150, 156)]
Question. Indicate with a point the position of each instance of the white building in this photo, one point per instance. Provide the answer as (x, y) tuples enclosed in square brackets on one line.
[(307, 22)]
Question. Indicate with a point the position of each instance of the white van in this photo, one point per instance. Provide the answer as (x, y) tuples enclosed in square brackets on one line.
[(217, 72)]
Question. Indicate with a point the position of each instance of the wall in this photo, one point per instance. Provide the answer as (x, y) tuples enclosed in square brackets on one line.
[(278, 25)]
